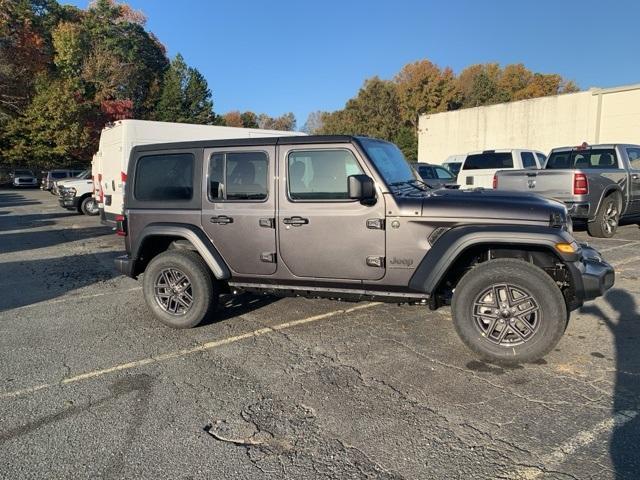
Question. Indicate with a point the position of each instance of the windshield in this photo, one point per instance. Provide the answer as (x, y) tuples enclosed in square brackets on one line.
[(388, 160), (24, 172), (82, 174)]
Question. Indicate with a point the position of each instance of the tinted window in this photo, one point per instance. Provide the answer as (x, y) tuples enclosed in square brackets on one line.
[(58, 174), (166, 177), (634, 157), (443, 173), (321, 174), (454, 167), (238, 176), (426, 172), (528, 160), (590, 158), (491, 160), (542, 159)]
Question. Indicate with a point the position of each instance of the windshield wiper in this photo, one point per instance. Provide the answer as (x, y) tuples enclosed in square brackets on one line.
[(417, 184)]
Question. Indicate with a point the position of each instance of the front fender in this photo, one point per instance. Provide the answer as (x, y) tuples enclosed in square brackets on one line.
[(453, 243)]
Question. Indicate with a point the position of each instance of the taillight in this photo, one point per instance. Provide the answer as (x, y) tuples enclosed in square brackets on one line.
[(123, 177), (121, 225), (580, 184), (100, 192), (495, 181)]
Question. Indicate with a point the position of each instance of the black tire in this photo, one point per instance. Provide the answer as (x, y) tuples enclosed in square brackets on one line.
[(89, 206), (605, 224), (203, 288), (546, 325)]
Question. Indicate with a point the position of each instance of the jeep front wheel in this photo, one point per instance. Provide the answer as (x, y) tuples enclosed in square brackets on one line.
[(179, 289), (509, 311)]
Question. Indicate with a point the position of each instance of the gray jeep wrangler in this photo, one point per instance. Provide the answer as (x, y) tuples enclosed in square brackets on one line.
[(347, 218)]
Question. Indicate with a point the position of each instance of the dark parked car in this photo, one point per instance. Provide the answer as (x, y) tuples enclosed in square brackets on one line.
[(346, 218), (435, 175)]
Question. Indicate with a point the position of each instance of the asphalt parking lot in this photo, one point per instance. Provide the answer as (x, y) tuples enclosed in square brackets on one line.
[(92, 386)]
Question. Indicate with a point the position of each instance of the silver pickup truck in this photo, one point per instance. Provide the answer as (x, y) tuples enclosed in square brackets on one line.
[(597, 183)]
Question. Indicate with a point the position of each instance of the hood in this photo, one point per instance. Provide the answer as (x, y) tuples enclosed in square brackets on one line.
[(73, 181), (488, 205)]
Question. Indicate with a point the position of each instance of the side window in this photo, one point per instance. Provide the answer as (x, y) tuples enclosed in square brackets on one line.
[(528, 160), (442, 173), (238, 176), (634, 157), (542, 159), (167, 177), (320, 174)]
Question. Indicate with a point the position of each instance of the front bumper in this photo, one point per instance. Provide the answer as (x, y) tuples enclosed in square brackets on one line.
[(68, 202), (592, 276), (25, 183)]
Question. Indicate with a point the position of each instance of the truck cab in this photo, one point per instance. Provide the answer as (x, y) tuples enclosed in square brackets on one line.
[(479, 168), (347, 218)]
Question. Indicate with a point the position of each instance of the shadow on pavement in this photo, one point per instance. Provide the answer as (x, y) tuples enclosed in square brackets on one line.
[(236, 305), (32, 281), (34, 220), (625, 326), (11, 199), (22, 241)]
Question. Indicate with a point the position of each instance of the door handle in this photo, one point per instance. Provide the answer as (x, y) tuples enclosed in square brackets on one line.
[(221, 220), (295, 221)]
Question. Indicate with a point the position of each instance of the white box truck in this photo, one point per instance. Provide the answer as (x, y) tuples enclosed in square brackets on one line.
[(109, 164)]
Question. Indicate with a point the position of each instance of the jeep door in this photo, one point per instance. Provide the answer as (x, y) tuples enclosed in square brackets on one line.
[(322, 233), (238, 207)]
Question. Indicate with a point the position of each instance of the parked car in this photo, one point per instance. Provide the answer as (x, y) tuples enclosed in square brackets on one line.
[(479, 168), (77, 194), (598, 183), (22, 177), (346, 218), (435, 176), (50, 177)]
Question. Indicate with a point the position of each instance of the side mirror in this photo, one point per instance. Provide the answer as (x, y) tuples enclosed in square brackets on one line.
[(361, 187)]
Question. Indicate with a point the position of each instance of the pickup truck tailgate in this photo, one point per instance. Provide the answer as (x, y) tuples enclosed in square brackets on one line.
[(556, 184)]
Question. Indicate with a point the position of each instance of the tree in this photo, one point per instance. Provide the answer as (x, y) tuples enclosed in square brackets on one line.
[(185, 96), (249, 120), (314, 122), (286, 122), (233, 119)]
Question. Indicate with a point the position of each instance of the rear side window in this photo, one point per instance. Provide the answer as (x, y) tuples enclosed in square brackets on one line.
[(634, 157), (443, 173), (591, 158), (528, 160), (321, 174), (490, 160), (167, 177), (238, 176), (426, 172), (542, 159)]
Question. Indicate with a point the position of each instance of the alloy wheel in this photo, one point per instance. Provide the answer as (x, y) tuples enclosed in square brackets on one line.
[(173, 291)]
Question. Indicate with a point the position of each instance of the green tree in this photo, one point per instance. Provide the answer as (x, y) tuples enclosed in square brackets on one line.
[(185, 96), (249, 120)]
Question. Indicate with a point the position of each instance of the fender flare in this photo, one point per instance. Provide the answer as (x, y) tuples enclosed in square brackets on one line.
[(448, 248), (614, 188), (193, 234)]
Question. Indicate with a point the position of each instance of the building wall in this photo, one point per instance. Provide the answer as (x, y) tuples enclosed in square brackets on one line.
[(540, 124)]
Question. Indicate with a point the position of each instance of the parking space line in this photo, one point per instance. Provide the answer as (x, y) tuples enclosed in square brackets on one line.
[(580, 440), (625, 261), (182, 352), (609, 249)]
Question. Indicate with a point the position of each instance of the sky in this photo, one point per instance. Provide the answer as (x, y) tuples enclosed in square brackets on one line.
[(276, 56)]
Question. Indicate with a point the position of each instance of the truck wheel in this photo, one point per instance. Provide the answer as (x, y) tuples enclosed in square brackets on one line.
[(89, 206), (509, 311), (179, 288), (607, 218)]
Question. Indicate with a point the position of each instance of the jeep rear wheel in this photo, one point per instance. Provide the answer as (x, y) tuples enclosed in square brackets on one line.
[(509, 311), (179, 289)]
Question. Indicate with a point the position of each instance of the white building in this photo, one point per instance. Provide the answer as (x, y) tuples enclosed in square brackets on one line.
[(597, 115)]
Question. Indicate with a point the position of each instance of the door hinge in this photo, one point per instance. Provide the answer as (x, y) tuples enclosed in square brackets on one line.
[(375, 261), (268, 257), (267, 222), (375, 223)]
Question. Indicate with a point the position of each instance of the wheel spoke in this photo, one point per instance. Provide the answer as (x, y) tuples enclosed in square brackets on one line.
[(173, 291)]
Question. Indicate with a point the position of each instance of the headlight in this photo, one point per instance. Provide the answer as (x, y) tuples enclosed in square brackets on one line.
[(71, 191)]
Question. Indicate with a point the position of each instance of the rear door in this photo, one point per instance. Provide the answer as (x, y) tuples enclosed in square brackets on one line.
[(323, 233), (633, 153), (238, 207)]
